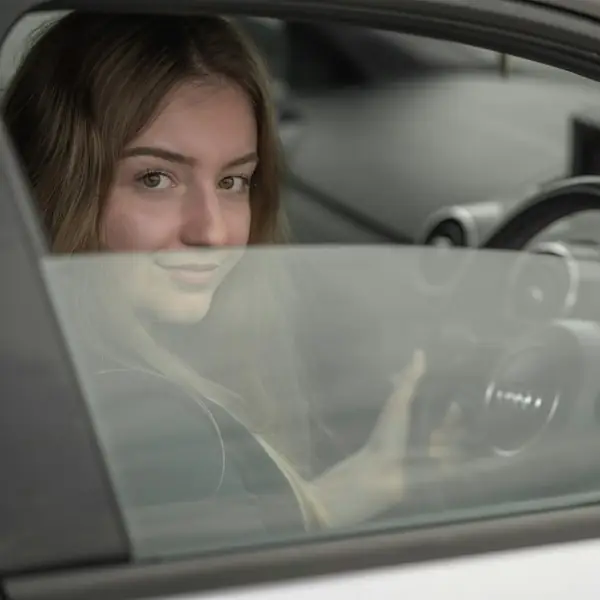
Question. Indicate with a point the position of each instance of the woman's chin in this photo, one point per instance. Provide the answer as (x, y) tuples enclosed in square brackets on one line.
[(181, 312)]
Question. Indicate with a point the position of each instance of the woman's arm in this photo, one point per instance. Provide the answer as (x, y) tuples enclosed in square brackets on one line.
[(374, 479)]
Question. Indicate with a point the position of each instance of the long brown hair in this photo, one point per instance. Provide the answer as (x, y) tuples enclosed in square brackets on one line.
[(92, 82), (89, 85)]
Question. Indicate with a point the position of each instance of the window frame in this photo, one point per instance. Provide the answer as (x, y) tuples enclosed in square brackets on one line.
[(39, 448), (66, 563), (280, 564)]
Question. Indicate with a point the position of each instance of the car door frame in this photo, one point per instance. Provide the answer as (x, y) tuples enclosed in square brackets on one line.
[(62, 534)]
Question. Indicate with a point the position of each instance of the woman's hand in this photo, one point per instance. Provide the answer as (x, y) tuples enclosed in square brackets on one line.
[(374, 479)]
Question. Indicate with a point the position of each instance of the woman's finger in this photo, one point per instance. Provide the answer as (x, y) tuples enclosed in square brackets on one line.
[(410, 375), (445, 440), (390, 433)]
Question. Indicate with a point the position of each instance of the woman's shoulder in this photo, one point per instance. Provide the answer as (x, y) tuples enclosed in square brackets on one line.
[(172, 452), (163, 441)]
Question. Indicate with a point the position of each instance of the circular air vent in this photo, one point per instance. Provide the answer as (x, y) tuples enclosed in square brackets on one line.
[(449, 232), (450, 226), (544, 284)]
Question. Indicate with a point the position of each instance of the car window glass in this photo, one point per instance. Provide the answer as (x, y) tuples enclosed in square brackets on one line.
[(379, 372)]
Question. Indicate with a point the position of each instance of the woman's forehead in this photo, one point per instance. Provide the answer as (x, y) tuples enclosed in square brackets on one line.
[(208, 122)]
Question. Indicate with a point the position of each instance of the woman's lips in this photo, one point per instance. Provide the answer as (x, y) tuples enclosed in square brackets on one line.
[(191, 274)]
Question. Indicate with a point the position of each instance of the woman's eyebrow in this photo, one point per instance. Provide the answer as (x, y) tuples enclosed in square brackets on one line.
[(176, 157), (159, 153), (250, 157)]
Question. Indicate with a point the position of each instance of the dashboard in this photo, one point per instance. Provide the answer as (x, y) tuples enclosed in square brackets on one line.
[(470, 225)]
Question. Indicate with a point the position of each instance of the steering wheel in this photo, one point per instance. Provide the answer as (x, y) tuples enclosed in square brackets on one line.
[(530, 404), (556, 201)]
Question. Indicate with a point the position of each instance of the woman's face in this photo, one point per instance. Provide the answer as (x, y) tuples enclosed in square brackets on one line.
[(181, 196)]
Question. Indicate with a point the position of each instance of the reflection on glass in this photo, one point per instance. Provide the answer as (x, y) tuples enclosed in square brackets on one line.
[(298, 406)]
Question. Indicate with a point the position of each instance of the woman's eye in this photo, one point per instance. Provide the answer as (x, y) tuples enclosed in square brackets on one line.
[(156, 180), (235, 183)]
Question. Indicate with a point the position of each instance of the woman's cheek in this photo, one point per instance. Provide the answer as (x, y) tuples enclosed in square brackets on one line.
[(130, 226), (118, 234), (240, 229)]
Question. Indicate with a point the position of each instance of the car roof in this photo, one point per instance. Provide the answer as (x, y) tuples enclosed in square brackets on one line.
[(583, 7), (589, 8)]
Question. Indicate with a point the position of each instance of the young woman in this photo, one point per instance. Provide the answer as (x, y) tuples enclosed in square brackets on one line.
[(153, 138)]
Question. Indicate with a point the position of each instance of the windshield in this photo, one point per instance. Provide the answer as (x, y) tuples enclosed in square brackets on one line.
[(311, 394)]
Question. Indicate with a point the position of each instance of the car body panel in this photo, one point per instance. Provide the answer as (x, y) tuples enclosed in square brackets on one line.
[(552, 573)]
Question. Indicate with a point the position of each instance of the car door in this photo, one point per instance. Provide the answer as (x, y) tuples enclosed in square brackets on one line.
[(65, 529)]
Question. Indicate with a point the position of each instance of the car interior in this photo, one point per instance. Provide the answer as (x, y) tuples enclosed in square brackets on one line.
[(321, 68), (472, 203)]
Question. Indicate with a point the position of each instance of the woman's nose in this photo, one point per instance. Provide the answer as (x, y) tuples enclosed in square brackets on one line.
[(203, 222)]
